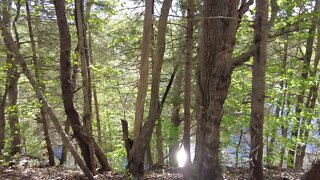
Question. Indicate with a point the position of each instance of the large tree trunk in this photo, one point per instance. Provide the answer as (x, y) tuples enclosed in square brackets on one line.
[(38, 77), (143, 140), (11, 46), (313, 173), (187, 85), (258, 89), (215, 65)]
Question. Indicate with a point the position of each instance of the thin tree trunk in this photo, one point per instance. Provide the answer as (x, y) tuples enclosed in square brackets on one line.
[(9, 59), (175, 118), (285, 103), (2, 118), (94, 88), (38, 78), (238, 147), (149, 156), (159, 140), (284, 132), (313, 95), (13, 94), (75, 70), (64, 153), (258, 90), (140, 144), (187, 86), (11, 46), (86, 85), (144, 69), (296, 151)]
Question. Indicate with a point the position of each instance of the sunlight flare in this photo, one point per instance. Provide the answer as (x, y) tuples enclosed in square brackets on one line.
[(181, 157)]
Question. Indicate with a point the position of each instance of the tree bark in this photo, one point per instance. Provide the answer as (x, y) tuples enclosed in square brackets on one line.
[(159, 140), (9, 59), (215, 69), (13, 94), (258, 89), (67, 91), (313, 173), (144, 69), (143, 140), (187, 86), (86, 83)]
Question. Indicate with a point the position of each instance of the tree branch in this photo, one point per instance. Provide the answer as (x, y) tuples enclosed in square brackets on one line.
[(244, 57)]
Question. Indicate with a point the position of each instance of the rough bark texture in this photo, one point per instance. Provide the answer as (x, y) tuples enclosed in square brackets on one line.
[(215, 69), (11, 46), (258, 89), (313, 173)]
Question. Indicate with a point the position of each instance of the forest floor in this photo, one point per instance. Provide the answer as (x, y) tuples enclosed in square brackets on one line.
[(59, 173)]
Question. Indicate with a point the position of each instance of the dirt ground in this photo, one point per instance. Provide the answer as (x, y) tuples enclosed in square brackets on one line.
[(59, 173)]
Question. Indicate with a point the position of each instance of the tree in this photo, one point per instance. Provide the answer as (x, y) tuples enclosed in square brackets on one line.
[(187, 83), (13, 88), (295, 152), (12, 47), (258, 89), (135, 165), (37, 65), (143, 140), (219, 27), (9, 58), (86, 79), (67, 92)]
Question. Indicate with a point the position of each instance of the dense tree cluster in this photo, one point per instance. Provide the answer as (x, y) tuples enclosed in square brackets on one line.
[(130, 83)]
